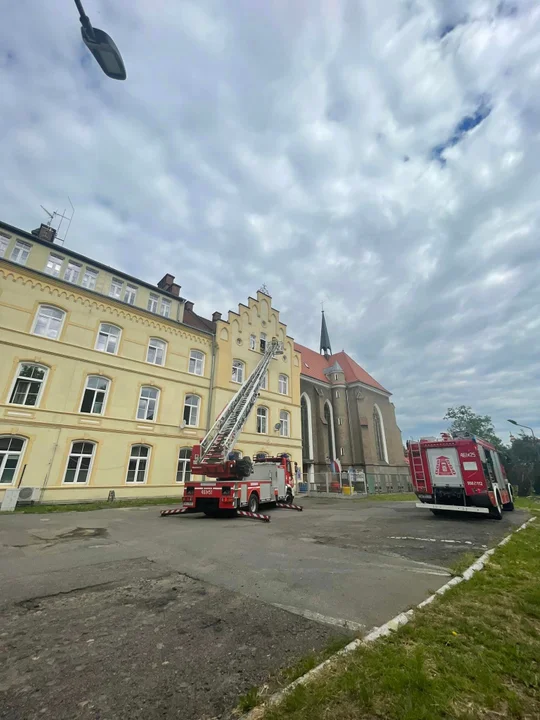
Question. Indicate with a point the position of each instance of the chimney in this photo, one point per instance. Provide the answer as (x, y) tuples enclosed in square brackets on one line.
[(167, 283), (188, 305), (45, 232), (216, 316)]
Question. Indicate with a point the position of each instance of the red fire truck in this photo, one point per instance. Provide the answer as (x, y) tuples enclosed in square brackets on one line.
[(459, 472)]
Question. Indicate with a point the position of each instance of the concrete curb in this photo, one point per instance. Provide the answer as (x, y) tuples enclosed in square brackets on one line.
[(386, 629)]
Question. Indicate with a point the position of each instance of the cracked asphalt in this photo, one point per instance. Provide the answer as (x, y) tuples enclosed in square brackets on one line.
[(122, 614)]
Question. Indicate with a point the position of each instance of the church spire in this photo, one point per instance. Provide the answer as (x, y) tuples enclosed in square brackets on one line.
[(326, 350)]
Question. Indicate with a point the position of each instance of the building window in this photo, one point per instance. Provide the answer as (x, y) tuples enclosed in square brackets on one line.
[(156, 351), (284, 423), (336, 376), (238, 371), (108, 338), (196, 362), (89, 278), (191, 410), (138, 464), (183, 471), (165, 309), (80, 462), (341, 451), (130, 294), (338, 394), (48, 322), (329, 417), (116, 289), (28, 385), (252, 342), (307, 435), (262, 420), (380, 438), (11, 451), (283, 384), (4, 242), (95, 394), (264, 385), (262, 342), (54, 265), (153, 303), (148, 401), (20, 252), (340, 421), (72, 272)]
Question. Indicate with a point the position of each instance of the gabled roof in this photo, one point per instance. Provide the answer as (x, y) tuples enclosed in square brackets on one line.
[(313, 365)]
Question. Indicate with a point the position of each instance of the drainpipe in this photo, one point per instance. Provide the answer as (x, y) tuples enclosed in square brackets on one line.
[(46, 480)]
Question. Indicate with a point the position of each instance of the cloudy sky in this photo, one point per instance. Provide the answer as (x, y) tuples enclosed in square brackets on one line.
[(381, 156)]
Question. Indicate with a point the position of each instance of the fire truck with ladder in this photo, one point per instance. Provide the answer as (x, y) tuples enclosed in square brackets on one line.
[(237, 485), (461, 473)]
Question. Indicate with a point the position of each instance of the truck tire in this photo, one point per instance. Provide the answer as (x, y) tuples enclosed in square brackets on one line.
[(438, 512), (289, 498), (496, 512), (253, 503)]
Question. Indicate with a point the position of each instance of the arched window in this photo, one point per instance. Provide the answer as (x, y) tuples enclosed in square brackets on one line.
[(191, 410), (307, 432), (183, 470), (139, 460), (285, 426), (262, 420), (238, 371), (329, 417), (283, 384), (156, 351), (80, 461), (48, 322), (148, 403), (196, 362), (29, 384), (380, 437), (11, 452), (108, 338), (95, 395)]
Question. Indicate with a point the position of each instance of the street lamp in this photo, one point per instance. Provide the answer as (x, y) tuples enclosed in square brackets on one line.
[(102, 47), (523, 426)]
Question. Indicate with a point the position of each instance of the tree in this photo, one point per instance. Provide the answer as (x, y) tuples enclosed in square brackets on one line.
[(523, 464), (465, 420)]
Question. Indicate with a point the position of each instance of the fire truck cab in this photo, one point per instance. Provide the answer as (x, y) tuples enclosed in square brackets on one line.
[(459, 472)]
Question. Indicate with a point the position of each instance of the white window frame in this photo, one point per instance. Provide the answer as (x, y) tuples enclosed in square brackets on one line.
[(95, 391), (130, 294), (384, 448), (252, 342), (138, 459), (100, 331), (55, 261), (156, 344), (285, 423), (7, 454), (19, 249), (4, 244), (75, 482), (29, 380), (146, 405), (262, 339), (153, 303), (72, 272), (182, 465), (240, 367), (191, 406), (283, 384), (115, 291), (48, 318), (165, 308), (264, 385), (198, 362), (89, 278), (265, 416)]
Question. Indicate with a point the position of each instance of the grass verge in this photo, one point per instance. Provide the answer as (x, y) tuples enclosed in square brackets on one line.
[(473, 653), (85, 507)]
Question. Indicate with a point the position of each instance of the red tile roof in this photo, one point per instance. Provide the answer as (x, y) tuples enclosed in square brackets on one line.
[(314, 364)]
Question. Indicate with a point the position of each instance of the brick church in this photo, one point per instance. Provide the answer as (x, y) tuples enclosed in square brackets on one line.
[(348, 421)]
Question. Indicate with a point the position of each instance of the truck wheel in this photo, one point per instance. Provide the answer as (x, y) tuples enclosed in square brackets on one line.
[(253, 504), (496, 512), (438, 512), (289, 498)]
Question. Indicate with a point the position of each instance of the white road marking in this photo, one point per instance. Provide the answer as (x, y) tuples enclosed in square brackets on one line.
[(433, 540), (317, 617)]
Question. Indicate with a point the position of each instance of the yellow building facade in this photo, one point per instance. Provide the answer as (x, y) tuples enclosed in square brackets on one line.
[(106, 381)]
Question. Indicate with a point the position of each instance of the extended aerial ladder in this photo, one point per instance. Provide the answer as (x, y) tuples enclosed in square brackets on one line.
[(232, 484)]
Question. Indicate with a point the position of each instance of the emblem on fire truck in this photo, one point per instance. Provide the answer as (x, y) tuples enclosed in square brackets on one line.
[(444, 466)]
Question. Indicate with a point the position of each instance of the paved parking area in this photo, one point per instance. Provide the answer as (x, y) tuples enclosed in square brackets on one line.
[(123, 614)]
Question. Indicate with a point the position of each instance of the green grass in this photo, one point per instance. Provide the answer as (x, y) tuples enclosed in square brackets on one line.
[(473, 653), (85, 507)]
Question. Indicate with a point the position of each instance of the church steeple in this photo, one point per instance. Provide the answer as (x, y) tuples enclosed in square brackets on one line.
[(325, 349)]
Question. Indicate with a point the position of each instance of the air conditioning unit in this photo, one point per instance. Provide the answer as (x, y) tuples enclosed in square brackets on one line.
[(28, 495)]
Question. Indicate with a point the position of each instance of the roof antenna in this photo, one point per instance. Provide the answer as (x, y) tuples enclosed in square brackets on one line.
[(48, 231)]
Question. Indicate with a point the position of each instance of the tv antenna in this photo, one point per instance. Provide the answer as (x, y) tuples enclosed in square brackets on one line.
[(62, 216)]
